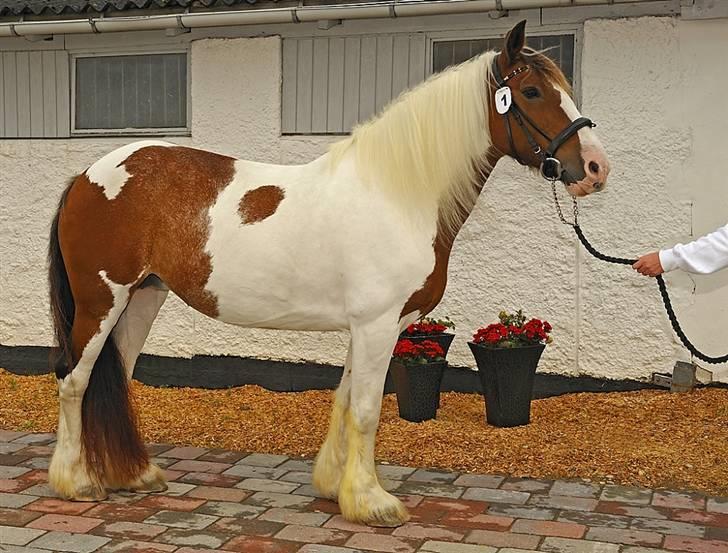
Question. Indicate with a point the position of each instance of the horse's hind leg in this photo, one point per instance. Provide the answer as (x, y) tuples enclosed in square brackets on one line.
[(361, 497), (96, 313), (135, 323), (130, 333)]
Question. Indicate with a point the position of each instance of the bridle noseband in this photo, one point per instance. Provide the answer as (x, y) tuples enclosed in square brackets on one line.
[(551, 168)]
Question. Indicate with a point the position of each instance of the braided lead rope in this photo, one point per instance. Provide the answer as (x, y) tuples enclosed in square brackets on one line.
[(624, 261)]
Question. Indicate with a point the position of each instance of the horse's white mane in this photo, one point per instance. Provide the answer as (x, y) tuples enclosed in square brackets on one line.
[(430, 143)]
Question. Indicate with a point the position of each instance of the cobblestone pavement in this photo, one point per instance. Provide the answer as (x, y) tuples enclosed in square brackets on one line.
[(256, 503)]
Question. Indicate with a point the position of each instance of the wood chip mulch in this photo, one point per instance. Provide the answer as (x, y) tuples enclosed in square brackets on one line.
[(647, 438)]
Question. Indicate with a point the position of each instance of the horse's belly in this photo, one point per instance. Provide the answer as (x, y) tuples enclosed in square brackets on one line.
[(263, 310), (253, 317), (264, 289)]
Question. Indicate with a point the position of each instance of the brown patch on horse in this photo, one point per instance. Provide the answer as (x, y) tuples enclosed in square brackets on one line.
[(128, 239), (426, 298), (544, 74), (193, 180), (260, 203), (62, 305)]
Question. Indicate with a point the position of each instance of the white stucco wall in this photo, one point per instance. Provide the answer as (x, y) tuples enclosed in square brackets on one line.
[(704, 109), (512, 253), (632, 95)]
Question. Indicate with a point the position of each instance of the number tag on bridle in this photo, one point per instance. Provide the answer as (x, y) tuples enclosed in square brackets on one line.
[(503, 99)]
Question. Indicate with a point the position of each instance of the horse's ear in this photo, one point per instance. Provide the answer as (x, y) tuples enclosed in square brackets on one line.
[(515, 39)]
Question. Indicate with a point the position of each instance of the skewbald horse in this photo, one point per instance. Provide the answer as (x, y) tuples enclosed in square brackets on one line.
[(305, 247)]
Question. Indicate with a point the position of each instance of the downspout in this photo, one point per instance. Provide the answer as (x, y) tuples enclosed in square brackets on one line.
[(401, 8)]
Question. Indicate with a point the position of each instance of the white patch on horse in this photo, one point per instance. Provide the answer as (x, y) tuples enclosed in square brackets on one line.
[(274, 274), (110, 173), (587, 137)]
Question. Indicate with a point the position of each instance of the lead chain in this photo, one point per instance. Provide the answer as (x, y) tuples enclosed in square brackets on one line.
[(560, 212)]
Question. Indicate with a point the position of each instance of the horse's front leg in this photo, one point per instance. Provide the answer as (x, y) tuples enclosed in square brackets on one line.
[(361, 498), (331, 459)]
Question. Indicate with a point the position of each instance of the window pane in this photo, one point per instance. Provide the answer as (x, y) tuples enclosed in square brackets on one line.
[(131, 92), (459, 51), (560, 48), (442, 55)]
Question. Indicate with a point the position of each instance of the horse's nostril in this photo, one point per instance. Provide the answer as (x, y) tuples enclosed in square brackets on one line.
[(598, 186), (594, 167)]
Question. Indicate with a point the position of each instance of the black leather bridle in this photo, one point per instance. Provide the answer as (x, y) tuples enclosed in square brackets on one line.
[(551, 168)]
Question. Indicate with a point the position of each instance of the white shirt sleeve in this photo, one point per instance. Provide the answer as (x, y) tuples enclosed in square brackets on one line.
[(704, 255)]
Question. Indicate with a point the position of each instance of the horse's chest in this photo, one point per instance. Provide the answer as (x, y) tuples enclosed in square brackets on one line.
[(425, 299)]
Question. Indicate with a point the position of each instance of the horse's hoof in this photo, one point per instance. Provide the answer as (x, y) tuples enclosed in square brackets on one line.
[(379, 508), (156, 487), (327, 488), (389, 518), (327, 494), (328, 471), (152, 481), (82, 489), (88, 495)]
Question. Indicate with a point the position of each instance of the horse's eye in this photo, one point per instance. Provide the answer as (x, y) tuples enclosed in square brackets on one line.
[(531, 93)]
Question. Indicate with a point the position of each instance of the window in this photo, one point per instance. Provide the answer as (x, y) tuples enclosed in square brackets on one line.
[(130, 94), (560, 48)]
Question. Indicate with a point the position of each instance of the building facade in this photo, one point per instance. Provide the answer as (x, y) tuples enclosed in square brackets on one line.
[(651, 74)]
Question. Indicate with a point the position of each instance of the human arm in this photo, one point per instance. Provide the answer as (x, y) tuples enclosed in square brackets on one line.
[(705, 255)]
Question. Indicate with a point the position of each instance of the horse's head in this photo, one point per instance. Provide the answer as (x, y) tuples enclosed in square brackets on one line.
[(534, 119)]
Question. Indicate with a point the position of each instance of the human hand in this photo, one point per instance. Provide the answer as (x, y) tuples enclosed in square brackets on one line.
[(649, 265)]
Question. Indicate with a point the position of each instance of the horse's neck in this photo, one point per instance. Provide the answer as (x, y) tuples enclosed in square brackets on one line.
[(444, 240), (427, 298)]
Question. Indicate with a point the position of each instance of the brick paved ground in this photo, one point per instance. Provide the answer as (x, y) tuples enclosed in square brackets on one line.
[(255, 503)]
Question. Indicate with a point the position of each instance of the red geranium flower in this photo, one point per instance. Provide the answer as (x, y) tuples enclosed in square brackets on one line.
[(427, 326), (513, 331), (425, 352)]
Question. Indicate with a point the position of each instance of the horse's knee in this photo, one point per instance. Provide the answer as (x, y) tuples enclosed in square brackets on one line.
[(363, 419)]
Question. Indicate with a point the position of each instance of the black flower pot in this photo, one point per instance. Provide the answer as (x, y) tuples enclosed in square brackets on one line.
[(417, 388), (444, 339), (507, 375)]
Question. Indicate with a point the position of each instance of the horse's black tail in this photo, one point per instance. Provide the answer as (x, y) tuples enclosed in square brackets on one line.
[(63, 308), (112, 443)]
